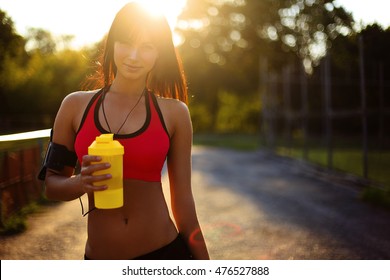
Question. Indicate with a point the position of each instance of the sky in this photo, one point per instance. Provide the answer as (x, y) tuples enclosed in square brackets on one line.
[(368, 11), (89, 20)]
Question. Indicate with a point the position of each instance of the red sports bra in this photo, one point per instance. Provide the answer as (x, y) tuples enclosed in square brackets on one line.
[(145, 149)]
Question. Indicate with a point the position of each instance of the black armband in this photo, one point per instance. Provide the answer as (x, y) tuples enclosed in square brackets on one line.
[(56, 158)]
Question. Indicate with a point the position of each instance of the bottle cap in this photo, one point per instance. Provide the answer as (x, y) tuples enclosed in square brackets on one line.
[(104, 145), (105, 138)]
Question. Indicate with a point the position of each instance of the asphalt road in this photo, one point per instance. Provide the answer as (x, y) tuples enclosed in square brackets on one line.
[(250, 205)]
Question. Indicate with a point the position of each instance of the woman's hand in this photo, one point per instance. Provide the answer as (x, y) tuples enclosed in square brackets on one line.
[(89, 181)]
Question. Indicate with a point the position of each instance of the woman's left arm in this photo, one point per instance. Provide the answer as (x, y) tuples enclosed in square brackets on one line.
[(179, 170)]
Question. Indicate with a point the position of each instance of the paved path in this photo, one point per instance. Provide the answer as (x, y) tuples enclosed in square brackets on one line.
[(250, 205)]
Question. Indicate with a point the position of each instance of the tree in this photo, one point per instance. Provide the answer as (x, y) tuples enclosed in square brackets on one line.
[(229, 29), (225, 39), (12, 55), (33, 83), (40, 40), (11, 43)]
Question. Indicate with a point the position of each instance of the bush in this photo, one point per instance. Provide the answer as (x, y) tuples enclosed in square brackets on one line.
[(17, 222)]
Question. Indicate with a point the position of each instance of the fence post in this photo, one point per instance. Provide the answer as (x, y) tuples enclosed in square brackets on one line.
[(364, 107), (263, 88), (304, 110), (287, 106), (328, 110), (271, 104), (18, 181), (381, 106)]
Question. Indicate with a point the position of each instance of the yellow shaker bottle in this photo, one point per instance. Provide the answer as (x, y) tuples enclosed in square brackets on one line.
[(112, 152)]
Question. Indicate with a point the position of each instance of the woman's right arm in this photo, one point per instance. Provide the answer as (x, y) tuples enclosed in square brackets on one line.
[(64, 185)]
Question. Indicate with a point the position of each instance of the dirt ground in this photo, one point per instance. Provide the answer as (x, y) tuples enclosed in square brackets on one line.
[(250, 206)]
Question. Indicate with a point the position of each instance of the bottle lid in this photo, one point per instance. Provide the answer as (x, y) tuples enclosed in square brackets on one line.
[(105, 138), (104, 145)]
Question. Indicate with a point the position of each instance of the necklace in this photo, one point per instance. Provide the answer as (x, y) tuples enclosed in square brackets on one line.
[(128, 114)]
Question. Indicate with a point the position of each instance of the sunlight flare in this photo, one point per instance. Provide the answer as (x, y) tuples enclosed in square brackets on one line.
[(171, 9)]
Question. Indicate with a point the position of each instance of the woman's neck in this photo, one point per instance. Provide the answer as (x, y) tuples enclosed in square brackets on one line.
[(132, 88)]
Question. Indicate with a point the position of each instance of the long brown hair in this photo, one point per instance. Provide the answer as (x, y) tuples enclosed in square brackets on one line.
[(167, 78)]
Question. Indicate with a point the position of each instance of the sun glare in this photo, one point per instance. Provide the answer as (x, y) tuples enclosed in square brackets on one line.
[(86, 32), (171, 9)]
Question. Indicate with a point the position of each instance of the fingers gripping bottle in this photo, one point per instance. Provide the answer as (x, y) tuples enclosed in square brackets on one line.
[(112, 152)]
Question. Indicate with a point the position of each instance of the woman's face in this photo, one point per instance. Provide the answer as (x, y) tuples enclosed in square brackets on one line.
[(134, 59)]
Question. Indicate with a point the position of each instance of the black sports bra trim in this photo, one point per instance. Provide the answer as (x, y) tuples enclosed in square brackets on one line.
[(123, 136), (86, 111), (160, 115)]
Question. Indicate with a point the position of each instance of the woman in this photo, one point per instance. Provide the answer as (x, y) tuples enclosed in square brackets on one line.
[(143, 103)]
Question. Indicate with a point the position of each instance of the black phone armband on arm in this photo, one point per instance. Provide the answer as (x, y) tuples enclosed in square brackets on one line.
[(57, 157)]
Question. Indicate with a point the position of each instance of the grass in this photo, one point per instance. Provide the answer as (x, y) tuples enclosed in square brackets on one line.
[(346, 158), (246, 142), (17, 222), (351, 161), (379, 197)]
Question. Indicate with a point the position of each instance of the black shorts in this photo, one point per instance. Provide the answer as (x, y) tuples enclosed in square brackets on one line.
[(176, 250)]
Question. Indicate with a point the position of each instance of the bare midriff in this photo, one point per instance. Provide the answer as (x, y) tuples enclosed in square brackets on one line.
[(141, 226)]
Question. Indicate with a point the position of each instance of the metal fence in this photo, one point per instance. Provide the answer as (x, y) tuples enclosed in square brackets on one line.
[(20, 160), (291, 124)]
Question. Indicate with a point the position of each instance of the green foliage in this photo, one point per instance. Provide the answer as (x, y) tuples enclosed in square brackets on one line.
[(14, 224), (44, 82), (40, 40), (34, 83), (12, 56), (17, 222), (231, 113), (348, 162), (221, 59), (225, 41), (201, 117), (234, 30), (345, 159), (237, 113), (243, 142), (377, 196), (11, 43)]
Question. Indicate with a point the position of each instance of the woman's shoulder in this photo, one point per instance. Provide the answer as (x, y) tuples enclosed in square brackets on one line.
[(78, 98), (175, 113), (80, 95), (72, 108), (172, 105)]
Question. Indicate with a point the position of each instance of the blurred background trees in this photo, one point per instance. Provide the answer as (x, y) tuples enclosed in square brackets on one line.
[(224, 45), (226, 40), (35, 75)]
